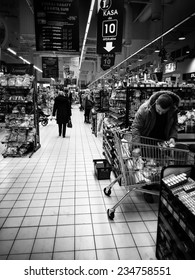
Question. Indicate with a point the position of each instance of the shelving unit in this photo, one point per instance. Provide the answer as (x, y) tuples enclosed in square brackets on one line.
[(116, 118), (124, 103), (176, 218), (19, 102)]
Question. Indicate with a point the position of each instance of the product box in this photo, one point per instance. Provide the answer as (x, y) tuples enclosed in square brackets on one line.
[(102, 169)]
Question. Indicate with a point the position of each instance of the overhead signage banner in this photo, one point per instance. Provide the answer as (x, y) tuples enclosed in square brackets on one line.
[(109, 26), (107, 60), (50, 67), (57, 25), (20, 69)]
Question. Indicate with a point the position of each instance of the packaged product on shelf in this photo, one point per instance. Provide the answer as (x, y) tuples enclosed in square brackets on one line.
[(11, 151), (6, 136), (18, 122), (13, 136), (23, 149), (15, 110), (11, 122), (11, 81), (19, 81), (22, 136), (31, 135), (22, 110), (25, 124), (27, 82), (29, 97), (31, 120), (3, 81)]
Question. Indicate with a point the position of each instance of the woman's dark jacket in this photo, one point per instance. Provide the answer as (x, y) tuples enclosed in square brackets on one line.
[(62, 109), (145, 118)]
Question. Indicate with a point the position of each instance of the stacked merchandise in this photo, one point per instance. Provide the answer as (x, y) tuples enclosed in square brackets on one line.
[(101, 100), (17, 99), (115, 120), (176, 231), (45, 99), (117, 109), (186, 120)]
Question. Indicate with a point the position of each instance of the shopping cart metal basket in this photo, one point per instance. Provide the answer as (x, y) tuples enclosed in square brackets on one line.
[(141, 163)]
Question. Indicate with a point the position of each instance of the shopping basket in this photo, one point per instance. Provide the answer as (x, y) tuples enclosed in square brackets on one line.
[(140, 164)]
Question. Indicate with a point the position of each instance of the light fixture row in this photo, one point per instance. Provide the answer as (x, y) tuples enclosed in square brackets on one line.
[(86, 31), (23, 59), (147, 45)]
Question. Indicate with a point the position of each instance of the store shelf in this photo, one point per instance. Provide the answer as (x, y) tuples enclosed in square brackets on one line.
[(21, 118), (186, 136), (176, 219)]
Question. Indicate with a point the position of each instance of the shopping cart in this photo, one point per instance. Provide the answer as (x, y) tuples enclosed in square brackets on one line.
[(140, 164)]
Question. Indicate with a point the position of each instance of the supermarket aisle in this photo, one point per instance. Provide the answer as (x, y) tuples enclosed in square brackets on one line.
[(52, 206)]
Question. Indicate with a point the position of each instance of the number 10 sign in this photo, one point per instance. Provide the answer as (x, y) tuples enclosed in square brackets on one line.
[(109, 26)]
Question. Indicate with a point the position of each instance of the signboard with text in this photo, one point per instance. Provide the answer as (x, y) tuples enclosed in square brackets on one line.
[(109, 26), (107, 60), (19, 69), (50, 67), (57, 25)]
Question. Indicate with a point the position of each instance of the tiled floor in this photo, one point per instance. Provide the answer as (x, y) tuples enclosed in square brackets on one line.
[(53, 207)]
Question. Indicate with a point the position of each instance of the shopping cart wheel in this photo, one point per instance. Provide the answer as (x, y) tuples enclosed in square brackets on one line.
[(148, 198), (108, 193), (110, 214)]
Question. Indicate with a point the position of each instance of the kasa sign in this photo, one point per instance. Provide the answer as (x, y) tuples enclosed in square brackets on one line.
[(109, 26)]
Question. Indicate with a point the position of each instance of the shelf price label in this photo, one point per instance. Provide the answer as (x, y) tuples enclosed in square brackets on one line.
[(109, 26)]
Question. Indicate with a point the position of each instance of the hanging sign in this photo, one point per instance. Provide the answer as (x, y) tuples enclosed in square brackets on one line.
[(109, 26), (57, 25), (107, 60), (20, 69), (50, 67)]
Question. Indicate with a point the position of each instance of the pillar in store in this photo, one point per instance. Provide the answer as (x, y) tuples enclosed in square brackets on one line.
[(156, 9)]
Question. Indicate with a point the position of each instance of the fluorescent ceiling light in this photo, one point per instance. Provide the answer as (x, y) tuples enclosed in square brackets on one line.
[(147, 45), (86, 31), (12, 51), (157, 50), (181, 38), (37, 68), (23, 59)]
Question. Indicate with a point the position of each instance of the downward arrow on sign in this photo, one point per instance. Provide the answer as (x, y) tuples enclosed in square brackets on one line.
[(109, 46)]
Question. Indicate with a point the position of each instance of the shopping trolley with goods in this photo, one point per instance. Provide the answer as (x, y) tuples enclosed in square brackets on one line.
[(141, 163)]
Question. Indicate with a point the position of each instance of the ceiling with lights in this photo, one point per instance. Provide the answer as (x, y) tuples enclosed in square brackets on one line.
[(146, 28)]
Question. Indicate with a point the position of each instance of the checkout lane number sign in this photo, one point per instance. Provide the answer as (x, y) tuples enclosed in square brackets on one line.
[(110, 26)]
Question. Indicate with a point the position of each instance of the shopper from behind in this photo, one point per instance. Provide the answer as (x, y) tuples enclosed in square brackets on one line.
[(62, 110), (157, 118), (88, 105)]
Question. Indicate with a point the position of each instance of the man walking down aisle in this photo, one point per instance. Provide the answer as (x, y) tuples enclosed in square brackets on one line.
[(62, 109)]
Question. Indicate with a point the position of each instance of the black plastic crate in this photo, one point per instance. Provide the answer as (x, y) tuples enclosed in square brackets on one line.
[(102, 169)]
